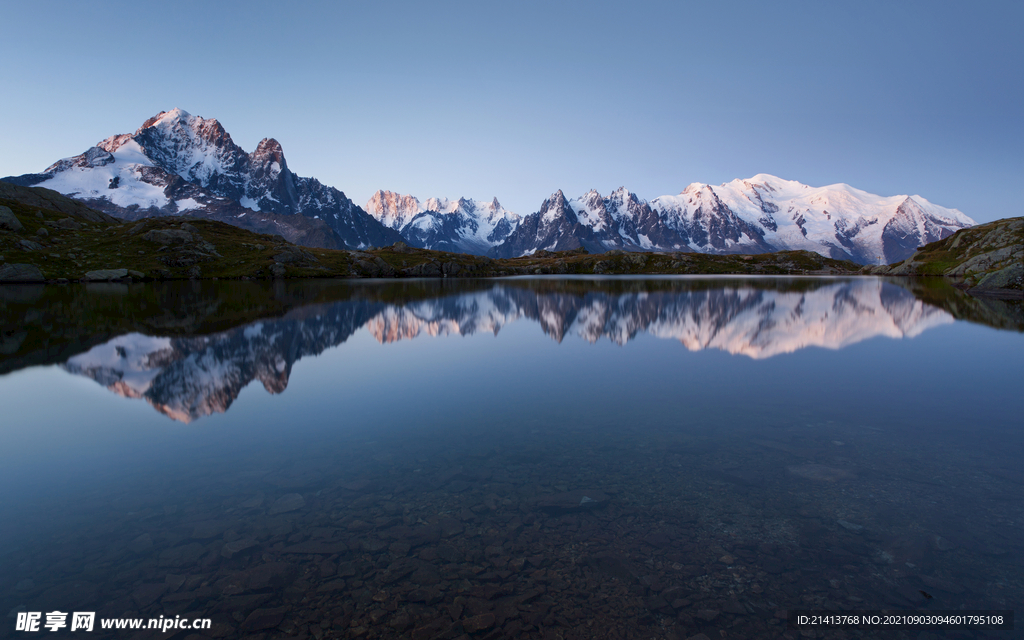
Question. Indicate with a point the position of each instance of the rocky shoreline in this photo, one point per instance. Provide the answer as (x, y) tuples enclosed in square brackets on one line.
[(985, 261)]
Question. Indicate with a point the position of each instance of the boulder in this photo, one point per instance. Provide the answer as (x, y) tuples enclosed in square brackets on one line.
[(293, 255), (20, 273), (1003, 278), (67, 223), (375, 269), (8, 220), (168, 236), (106, 274)]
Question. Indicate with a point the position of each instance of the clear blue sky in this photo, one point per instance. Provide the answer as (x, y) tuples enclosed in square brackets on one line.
[(518, 99)]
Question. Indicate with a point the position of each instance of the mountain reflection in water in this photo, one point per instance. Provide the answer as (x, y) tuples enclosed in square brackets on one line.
[(187, 377)]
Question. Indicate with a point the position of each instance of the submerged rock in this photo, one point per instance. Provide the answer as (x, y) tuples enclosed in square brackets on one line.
[(286, 503), (571, 501), (821, 473), (232, 549), (264, 619), (142, 544)]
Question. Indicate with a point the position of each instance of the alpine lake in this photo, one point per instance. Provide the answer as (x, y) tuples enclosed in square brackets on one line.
[(513, 458)]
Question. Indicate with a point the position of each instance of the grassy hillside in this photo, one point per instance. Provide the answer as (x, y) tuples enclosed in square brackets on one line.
[(986, 259)]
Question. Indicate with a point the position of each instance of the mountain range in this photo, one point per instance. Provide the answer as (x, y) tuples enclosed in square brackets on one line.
[(186, 378), (180, 164), (462, 226)]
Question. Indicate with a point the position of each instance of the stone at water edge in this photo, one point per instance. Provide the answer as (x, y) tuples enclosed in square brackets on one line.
[(20, 273), (100, 275), (286, 503), (167, 236)]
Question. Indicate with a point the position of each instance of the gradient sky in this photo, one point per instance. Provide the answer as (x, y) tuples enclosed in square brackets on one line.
[(517, 100)]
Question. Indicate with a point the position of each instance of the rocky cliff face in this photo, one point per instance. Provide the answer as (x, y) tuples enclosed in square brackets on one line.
[(180, 164)]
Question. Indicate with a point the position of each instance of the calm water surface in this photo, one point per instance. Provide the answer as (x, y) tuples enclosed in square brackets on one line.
[(525, 458)]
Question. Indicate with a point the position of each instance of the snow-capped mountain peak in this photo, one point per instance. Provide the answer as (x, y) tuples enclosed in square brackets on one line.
[(177, 162)]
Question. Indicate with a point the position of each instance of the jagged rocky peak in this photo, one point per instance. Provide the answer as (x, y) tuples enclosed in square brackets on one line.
[(175, 115), (388, 201), (556, 202), (199, 150), (625, 203), (462, 225), (268, 151), (592, 198), (182, 126), (393, 210)]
